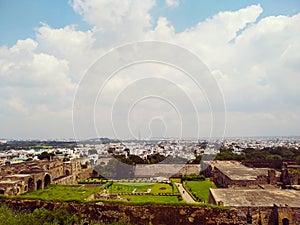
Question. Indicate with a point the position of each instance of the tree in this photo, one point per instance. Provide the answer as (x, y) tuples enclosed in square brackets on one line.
[(127, 151), (275, 156), (45, 155), (156, 158)]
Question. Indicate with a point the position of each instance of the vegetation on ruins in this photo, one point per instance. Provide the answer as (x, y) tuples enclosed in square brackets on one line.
[(61, 193), (140, 201), (40, 216), (199, 189), (43, 216)]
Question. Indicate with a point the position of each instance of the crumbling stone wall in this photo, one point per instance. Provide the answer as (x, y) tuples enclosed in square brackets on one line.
[(273, 215), (36, 175), (289, 178), (139, 215), (168, 215)]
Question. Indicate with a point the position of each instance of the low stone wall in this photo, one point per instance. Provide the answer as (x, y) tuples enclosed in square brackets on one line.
[(139, 215), (168, 215), (65, 180)]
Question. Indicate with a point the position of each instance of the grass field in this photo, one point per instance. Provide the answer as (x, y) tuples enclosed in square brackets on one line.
[(61, 193), (200, 189), (141, 187), (151, 198), (80, 193), (128, 187)]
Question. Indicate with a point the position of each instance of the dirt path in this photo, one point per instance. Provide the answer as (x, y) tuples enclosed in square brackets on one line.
[(185, 195)]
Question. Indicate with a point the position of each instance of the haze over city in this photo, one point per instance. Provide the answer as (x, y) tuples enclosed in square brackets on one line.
[(251, 49)]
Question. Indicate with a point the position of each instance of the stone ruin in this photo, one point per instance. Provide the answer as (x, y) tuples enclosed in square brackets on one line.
[(19, 178)]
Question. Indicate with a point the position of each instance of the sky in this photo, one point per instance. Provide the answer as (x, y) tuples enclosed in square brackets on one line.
[(55, 57)]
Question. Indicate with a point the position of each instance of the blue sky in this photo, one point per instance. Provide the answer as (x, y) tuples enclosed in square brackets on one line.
[(20, 18), (250, 47), (191, 12)]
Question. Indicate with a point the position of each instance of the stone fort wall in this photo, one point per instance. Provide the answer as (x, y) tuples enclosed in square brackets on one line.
[(173, 215)]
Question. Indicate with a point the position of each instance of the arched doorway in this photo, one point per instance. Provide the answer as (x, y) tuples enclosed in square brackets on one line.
[(67, 172), (39, 184), (285, 221), (47, 180), (30, 184)]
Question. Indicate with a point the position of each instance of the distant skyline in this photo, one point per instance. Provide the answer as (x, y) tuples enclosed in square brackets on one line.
[(250, 47)]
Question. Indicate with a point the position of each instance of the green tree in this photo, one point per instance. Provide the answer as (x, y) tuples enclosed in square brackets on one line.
[(45, 155)]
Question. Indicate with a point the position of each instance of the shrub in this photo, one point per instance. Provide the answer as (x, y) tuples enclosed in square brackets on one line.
[(193, 177), (39, 216)]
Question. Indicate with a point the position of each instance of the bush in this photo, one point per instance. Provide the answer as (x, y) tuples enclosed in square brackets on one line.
[(193, 177), (39, 216), (107, 185)]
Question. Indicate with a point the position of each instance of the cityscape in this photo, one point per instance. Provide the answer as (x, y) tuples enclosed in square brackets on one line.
[(258, 177), (149, 112)]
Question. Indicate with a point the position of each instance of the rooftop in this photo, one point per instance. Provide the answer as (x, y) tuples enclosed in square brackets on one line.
[(237, 171), (256, 197), (165, 170), (18, 175), (9, 182)]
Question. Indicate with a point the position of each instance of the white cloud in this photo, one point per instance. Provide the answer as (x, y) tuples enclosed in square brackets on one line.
[(266, 69), (33, 85), (211, 38), (18, 106), (116, 22), (76, 47), (256, 63), (172, 3)]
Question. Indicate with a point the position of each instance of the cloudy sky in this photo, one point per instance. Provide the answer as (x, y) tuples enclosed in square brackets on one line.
[(54, 56)]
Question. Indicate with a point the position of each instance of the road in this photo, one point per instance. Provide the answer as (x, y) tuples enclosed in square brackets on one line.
[(185, 195)]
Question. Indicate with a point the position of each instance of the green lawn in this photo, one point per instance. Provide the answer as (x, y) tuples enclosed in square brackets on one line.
[(141, 187), (79, 193), (129, 187), (151, 198), (200, 189), (163, 188), (61, 193)]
